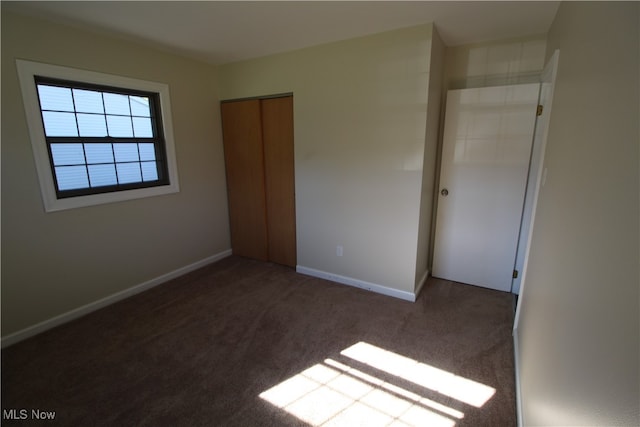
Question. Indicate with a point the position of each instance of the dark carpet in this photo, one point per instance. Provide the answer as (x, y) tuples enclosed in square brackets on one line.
[(201, 349)]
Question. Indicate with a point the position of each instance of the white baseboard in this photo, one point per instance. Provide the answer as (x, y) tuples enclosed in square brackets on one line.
[(103, 302), (516, 355), (407, 296)]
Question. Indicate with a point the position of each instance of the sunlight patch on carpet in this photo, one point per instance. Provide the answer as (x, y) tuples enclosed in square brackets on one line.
[(460, 388), (341, 393)]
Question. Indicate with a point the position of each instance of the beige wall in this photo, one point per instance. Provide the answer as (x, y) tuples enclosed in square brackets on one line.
[(53, 263), (360, 109), (578, 334)]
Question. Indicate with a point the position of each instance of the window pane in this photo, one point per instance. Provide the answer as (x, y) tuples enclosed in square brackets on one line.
[(149, 171), (119, 126), (98, 153), (101, 175), (116, 104), (147, 151), (59, 124), (142, 127), (140, 106), (71, 177), (128, 172), (126, 152), (92, 125), (88, 101), (55, 98), (67, 154)]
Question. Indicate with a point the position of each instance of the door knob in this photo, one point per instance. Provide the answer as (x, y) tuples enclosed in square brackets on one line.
[(444, 192)]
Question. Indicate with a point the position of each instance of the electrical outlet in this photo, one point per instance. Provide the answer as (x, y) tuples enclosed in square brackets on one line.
[(339, 250)]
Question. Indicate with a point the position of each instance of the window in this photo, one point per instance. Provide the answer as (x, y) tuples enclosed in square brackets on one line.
[(101, 139), (97, 138)]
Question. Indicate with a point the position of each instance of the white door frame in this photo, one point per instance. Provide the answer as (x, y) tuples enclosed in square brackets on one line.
[(548, 78), (536, 175)]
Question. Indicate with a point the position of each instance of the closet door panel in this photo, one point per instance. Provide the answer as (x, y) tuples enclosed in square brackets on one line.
[(277, 131), (243, 152)]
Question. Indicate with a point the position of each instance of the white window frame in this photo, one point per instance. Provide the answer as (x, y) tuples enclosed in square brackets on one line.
[(27, 70)]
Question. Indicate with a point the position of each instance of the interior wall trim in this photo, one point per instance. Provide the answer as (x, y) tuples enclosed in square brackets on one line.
[(357, 283), (421, 283), (516, 358), (108, 300)]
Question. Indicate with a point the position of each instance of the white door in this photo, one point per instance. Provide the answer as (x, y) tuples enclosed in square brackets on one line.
[(485, 161)]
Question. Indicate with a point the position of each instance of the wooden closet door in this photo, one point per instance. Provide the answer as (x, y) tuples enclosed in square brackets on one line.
[(243, 153), (277, 133)]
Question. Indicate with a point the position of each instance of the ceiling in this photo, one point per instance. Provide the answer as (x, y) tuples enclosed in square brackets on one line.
[(226, 31)]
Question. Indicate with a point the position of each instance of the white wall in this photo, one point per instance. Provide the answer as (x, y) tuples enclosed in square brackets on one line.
[(360, 109), (578, 334), (496, 63), (53, 263)]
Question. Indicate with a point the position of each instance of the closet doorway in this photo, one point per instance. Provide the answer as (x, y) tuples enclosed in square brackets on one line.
[(259, 159)]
